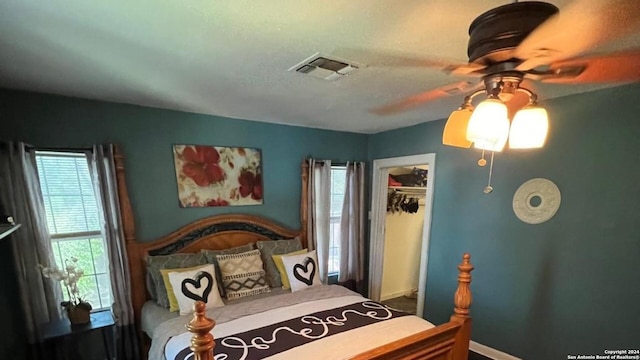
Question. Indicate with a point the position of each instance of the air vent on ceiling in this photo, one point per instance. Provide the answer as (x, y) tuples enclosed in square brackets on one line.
[(457, 88), (322, 67)]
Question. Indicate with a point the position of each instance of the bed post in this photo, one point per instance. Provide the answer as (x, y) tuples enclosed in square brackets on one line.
[(202, 342), (304, 201), (462, 300), (129, 229)]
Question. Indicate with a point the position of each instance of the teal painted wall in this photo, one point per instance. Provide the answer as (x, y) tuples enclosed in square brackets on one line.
[(147, 136), (567, 286)]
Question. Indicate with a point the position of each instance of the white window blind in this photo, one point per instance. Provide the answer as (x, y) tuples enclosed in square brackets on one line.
[(338, 179), (73, 218), (69, 198)]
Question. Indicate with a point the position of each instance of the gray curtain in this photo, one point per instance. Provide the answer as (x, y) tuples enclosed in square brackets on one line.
[(352, 235), (319, 194), (103, 169), (21, 197)]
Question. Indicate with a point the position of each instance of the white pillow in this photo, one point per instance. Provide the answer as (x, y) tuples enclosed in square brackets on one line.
[(197, 284), (302, 270)]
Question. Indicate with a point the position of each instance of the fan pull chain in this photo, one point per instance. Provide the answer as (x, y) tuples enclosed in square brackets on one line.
[(482, 161), (489, 188)]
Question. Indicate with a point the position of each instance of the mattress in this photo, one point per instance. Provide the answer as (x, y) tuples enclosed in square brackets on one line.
[(153, 315), (325, 321)]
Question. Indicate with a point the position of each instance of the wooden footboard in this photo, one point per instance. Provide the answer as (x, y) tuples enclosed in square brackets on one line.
[(448, 341)]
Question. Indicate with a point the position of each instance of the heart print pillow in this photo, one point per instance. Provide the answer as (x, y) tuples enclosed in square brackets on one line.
[(302, 270)]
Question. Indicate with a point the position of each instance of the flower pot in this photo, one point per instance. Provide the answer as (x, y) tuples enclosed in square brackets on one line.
[(78, 316)]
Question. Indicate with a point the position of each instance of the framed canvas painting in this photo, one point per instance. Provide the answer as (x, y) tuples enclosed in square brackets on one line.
[(217, 175)]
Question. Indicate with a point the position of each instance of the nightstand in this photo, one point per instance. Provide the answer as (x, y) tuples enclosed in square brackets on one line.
[(62, 330)]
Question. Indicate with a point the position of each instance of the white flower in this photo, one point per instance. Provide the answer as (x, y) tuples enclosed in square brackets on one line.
[(46, 272), (69, 277)]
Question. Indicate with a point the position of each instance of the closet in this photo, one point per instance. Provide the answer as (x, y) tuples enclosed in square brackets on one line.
[(404, 223)]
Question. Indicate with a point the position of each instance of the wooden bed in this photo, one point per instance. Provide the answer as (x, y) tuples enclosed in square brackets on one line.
[(446, 341)]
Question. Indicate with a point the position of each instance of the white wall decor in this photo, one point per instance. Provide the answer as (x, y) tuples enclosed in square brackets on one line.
[(536, 201)]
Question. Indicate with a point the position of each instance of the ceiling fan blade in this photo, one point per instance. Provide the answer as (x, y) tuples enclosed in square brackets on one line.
[(617, 67), (419, 99), (578, 27), (393, 59), (469, 69)]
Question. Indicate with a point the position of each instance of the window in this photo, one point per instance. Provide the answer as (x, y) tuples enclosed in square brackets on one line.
[(74, 222), (338, 178)]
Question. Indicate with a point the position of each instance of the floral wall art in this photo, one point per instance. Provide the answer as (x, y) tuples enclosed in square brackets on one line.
[(218, 176)]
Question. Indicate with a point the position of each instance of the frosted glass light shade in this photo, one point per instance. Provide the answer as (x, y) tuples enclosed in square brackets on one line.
[(455, 130), (529, 128), (491, 146), (488, 127)]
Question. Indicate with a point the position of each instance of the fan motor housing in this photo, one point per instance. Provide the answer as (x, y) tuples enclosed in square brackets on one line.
[(494, 34)]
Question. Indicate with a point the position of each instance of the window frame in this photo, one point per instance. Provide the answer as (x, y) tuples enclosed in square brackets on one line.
[(57, 238)]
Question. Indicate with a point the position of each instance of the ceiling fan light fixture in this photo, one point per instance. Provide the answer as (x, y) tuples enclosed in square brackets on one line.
[(529, 128), (488, 126), (490, 146), (455, 129)]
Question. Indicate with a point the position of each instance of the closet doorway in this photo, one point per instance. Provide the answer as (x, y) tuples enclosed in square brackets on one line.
[(400, 227)]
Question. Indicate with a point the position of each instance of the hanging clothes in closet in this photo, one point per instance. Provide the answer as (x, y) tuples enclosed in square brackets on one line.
[(405, 191), (405, 200)]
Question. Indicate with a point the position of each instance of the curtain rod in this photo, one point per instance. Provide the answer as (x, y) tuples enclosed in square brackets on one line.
[(65, 149), (339, 163)]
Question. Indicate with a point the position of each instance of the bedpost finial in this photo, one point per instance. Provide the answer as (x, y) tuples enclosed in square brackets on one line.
[(199, 307), (462, 299), (465, 268)]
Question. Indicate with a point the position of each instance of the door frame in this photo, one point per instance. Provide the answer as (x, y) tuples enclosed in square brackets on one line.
[(379, 191)]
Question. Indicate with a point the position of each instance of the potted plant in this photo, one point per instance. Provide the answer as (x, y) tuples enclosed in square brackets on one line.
[(77, 309)]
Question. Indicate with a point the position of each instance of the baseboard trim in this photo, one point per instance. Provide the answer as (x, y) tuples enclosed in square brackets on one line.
[(394, 295), (490, 352)]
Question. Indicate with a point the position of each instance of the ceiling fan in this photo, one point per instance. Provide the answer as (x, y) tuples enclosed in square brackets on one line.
[(512, 45)]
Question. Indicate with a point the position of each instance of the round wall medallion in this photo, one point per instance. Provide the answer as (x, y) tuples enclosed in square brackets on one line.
[(536, 201)]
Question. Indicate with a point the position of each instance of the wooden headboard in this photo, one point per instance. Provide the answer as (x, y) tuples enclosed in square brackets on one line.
[(215, 232)]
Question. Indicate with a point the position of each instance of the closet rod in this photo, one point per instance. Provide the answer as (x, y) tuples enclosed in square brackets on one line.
[(409, 189), (413, 195)]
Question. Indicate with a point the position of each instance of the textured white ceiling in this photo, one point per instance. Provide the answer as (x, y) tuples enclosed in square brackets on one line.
[(230, 58)]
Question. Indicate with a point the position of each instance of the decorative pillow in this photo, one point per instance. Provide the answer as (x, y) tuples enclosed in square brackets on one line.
[(193, 285), (302, 270), (173, 302), (151, 287), (242, 274), (174, 261), (277, 260), (211, 259), (277, 247)]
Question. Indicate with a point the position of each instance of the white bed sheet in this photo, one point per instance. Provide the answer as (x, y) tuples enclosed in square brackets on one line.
[(153, 314)]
